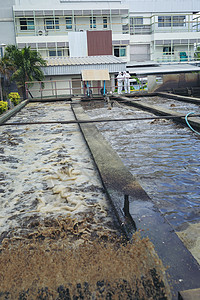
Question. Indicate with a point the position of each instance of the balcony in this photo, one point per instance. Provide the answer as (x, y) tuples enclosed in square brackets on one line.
[(140, 29)]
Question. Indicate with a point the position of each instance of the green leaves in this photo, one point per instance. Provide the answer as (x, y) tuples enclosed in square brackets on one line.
[(14, 97), (3, 106), (26, 64)]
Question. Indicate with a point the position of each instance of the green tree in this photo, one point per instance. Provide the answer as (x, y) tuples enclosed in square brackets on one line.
[(6, 69), (27, 65), (197, 53)]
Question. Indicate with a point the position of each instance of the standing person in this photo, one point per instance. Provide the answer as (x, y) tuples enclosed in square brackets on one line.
[(124, 79), (119, 82), (127, 82)]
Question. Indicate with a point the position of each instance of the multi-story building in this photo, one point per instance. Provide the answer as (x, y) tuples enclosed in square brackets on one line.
[(141, 29), (7, 32), (134, 30), (162, 31)]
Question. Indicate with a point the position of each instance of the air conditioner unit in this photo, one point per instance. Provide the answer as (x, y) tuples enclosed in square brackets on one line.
[(40, 32)]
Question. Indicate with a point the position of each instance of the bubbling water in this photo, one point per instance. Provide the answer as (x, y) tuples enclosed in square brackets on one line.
[(46, 170)]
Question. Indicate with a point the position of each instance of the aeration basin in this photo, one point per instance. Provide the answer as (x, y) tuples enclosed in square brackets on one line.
[(81, 199)]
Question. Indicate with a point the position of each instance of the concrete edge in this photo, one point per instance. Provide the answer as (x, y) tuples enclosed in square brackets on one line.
[(53, 99), (194, 122), (179, 97), (10, 113), (89, 131), (189, 295)]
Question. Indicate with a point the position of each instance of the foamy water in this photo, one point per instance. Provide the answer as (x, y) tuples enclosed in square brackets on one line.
[(46, 170)]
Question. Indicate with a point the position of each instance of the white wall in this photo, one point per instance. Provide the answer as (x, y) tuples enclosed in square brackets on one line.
[(78, 44), (7, 34), (163, 5)]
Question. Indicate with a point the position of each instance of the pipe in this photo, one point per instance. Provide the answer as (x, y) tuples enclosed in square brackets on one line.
[(97, 121)]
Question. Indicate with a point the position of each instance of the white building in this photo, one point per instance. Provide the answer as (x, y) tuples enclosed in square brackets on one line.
[(142, 30)]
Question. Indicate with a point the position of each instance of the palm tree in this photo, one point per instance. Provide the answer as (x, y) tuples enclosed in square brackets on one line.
[(6, 69), (27, 65)]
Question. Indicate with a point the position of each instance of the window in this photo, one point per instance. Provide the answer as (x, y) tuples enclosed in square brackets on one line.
[(164, 21), (137, 21), (55, 52), (168, 21), (52, 23), (27, 24), (137, 26), (120, 51), (178, 21), (168, 50), (92, 22), (125, 25), (105, 22), (68, 23)]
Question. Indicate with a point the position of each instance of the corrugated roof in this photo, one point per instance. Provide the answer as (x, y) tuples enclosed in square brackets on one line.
[(164, 69), (88, 60)]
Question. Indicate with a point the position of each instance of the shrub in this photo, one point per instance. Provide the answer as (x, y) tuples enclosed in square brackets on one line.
[(14, 97), (3, 106)]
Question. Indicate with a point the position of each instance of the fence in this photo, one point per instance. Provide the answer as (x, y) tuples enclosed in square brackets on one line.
[(61, 88), (75, 87)]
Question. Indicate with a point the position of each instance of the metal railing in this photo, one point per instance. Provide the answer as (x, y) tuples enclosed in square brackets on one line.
[(62, 88), (57, 89), (117, 27)]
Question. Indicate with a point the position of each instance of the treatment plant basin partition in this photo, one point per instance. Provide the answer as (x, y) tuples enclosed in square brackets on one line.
[(59, 236), (164, 158)]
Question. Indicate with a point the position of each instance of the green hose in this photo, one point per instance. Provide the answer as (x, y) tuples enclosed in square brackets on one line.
[(186, 119)]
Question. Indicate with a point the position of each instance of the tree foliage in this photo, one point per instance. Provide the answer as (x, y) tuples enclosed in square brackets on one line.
[(197, 53), (25, 65)]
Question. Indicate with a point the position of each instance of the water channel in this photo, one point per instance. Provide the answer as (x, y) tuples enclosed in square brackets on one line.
[(47, 172), (164, 158)]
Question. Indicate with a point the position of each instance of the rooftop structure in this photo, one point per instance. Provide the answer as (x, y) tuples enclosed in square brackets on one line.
[(75, 65)]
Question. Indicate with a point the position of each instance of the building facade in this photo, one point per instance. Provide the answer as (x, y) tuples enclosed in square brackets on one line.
[(142, 30)]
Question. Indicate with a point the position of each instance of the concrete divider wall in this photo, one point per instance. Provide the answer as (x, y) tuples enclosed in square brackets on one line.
[(10, 113), (174, 81)]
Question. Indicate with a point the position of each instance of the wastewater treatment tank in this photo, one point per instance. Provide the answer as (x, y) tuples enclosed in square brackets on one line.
[(59, 236), (164, 158)]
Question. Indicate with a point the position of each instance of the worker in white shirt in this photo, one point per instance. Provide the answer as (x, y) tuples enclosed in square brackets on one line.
[(120, 79), (126, 82)]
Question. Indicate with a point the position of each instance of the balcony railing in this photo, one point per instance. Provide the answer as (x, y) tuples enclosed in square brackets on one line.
[(181, 56), (140, 29), (63, 29)]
